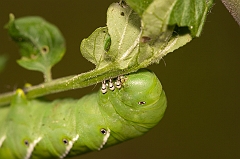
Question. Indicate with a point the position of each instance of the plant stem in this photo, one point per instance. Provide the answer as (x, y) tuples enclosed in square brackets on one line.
[(5, 98), (69, 83), (82, 80), (47, 75)]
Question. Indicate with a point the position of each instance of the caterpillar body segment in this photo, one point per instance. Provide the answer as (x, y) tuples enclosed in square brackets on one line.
[(69, 127)]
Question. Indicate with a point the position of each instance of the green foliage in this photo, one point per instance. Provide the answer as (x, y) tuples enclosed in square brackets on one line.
[(41, 43), (94, 48), (139, 40), (158, 14), (135, 37), (190, 13)]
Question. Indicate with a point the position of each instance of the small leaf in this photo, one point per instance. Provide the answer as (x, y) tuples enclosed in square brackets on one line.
[(41, 43), (124, 27), (155, 18), (93, 48)]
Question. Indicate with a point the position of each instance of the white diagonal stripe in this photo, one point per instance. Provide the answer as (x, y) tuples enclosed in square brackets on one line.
[(69, 146), (31, 148), (105, 138)]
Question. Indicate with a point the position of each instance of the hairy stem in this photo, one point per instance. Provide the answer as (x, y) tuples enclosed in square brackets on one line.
[(69, 83), (47, 75)]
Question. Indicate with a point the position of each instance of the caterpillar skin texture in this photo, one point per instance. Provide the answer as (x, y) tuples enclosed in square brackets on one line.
[(69, 127)]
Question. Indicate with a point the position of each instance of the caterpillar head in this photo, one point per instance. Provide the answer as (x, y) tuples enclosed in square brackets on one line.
[(135, 108), (143, 99)]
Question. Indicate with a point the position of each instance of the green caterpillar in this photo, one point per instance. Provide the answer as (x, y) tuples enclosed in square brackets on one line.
[(69, 127)]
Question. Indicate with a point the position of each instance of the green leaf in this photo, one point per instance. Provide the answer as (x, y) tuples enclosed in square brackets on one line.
[(155, 18), (41, 43), (190, 13), (131, 40), (94, 48), (129, 48), (124, 28), (161, 16), (160, 13), (139, 5)]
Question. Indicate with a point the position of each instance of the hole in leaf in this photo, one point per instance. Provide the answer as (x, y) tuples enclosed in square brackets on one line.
[(45, 49)]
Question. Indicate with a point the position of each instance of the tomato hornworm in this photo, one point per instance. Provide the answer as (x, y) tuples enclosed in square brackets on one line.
[(68, 127)]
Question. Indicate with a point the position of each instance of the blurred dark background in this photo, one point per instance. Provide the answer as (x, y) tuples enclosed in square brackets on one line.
[(201, 80)]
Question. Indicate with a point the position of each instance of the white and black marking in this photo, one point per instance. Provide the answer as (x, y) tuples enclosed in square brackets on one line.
[(65, 141), (26, 142), (103, 131), (31, 147), (106, 133), (141, 102), (69, 145)]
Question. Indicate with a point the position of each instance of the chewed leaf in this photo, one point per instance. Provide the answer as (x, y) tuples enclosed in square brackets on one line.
[(124, 27), (190, 13), (157, 14), (139, 36), (159, 18), (41, 43), (155, 18), (94, 48), (117, 43)]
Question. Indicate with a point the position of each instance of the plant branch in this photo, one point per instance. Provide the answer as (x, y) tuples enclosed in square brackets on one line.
[(68, 83)]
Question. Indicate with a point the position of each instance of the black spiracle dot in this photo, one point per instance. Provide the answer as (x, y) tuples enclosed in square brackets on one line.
[(65, 141), (103, 131), (26, 142), (122, 14), (142, 103)]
